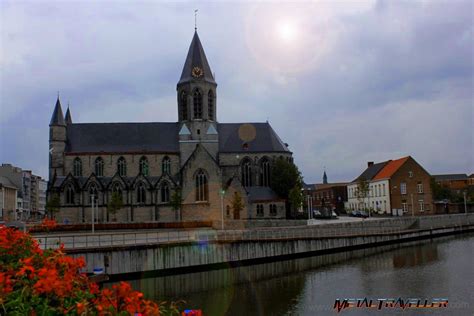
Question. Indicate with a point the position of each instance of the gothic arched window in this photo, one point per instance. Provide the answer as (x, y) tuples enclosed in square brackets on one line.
[(247, 173), (197, 102), (144, 166), (166, 165), (117, 189), (183, 106), (202, 191), (265, 172), (70, 194), (165, 192), (99, 167), (122, 167), (93, 193), (77, 167), (210, 104), (141, 193)]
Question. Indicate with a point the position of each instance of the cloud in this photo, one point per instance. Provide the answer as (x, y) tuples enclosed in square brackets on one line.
[(370, 80)]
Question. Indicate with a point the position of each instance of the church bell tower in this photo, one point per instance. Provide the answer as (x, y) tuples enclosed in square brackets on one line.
[(196, 96)]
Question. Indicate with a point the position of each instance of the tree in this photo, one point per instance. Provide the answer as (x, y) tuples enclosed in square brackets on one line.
[(53, 204), (176, 201), (115, 204), (287, 178), (237, 203), (362, 189)]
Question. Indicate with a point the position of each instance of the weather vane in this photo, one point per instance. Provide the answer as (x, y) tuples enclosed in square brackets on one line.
[(195, 19)]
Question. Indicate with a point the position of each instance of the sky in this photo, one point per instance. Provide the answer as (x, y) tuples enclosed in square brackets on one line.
[(342, 82)]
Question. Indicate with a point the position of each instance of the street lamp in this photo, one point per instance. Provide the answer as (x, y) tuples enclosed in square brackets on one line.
[(93, 215), (222, 193), (465, 204)]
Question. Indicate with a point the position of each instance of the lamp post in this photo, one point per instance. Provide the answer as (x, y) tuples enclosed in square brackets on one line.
[(412, 206), (222, 193), (93, 217)]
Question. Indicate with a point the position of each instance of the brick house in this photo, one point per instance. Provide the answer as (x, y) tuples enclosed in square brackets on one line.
[(397, 186), (330, 195)]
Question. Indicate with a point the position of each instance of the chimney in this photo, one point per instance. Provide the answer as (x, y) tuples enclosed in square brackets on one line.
[(370, 164)]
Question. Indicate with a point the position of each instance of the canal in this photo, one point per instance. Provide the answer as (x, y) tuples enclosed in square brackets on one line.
[(438, 268)]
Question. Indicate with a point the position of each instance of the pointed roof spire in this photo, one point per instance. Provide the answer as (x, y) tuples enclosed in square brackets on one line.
[(196, 58), (325, 178), (57, 118), (68, 117)]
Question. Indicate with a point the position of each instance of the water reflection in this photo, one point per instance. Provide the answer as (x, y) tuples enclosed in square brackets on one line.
[(309, 286)]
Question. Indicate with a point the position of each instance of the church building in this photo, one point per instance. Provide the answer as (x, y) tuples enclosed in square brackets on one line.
[(147, 164)]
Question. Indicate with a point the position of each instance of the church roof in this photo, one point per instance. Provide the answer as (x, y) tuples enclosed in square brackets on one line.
[(57, 118), (68, 117), (266, 140), (261, 194), (196, 58), (122, 137), (162, 137)]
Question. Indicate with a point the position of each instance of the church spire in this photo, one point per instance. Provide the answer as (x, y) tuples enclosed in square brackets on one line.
[(196, 66), (57, 118), (68, 117), (325, 178)]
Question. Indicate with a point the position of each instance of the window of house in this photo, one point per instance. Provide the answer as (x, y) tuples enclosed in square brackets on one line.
[(210, 104), (419, 187), (265, 172), (122, 167), (404, 206), (165, 193), (70, 194), (421, 204), (141, 193), (197, 99), (183, 106), (383, 188), (273, 210), (410, 174), (202, 192), (143, 166), (247, 173), (99, 167), (227, 210), (259, 210), (77, 167), (403, 188)]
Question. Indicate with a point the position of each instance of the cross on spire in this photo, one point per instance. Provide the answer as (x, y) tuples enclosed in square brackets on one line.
[(195, 20)]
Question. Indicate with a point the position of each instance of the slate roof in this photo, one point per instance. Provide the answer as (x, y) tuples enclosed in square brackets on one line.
[(57, 118), (261, 194), (122, 137), (390, 168), (162, 137), (196, 58), (372, 171), (447, 177), (266, 140)]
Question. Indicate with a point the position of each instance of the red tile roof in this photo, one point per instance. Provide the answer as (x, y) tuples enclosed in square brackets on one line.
[(390, 168)]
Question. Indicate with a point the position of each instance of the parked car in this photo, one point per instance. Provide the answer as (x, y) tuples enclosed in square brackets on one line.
[(359, 213)]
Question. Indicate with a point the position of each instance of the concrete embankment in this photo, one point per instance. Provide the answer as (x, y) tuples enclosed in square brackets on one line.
[(253, 247)]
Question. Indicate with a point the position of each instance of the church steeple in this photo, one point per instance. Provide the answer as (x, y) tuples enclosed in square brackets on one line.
[(196, 66), (325, 178), (57, 118), (68, 117), (196, 87)]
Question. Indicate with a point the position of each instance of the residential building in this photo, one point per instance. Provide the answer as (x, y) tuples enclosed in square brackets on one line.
[(330, 196), (400, 186), (8, 200), (146, 163), (457, 183)]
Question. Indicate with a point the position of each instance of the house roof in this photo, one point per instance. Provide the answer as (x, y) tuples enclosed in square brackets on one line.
[(162, 137), (322, 186), (453, 176), (371, 171), (390, 168), (196, 58)]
